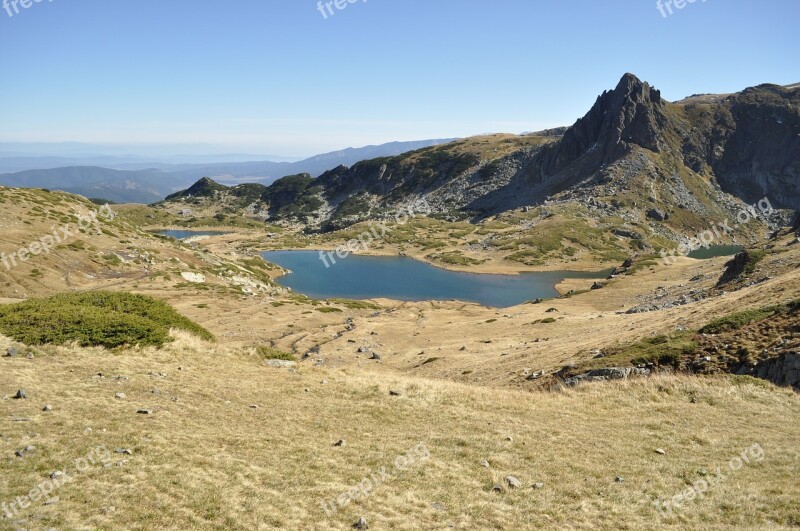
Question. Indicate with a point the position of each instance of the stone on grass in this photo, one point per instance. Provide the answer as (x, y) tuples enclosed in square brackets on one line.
[(145, 411), (660, 451), (21, 394), (340, 442), (120, 396), (361, 523), (47, 408), (485, 464), (513, 483)]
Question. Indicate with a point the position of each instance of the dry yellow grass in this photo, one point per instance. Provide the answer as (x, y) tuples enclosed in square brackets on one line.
[(206, 459)]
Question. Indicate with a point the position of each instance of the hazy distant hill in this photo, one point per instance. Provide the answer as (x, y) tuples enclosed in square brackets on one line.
[(150, 182)]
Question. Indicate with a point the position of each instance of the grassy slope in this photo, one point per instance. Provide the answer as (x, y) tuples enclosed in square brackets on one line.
[(207, 459)]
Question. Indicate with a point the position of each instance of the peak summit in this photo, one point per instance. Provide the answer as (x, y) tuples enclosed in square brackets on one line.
[(631, 114)]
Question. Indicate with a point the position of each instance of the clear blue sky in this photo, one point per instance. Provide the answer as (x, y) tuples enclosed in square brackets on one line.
[(274, 76)]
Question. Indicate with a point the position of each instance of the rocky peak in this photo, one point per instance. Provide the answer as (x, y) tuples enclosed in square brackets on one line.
[(205, 187), (631, 114)]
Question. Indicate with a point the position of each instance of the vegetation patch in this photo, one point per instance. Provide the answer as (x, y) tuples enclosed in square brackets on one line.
[(269, 353), (98, 318)]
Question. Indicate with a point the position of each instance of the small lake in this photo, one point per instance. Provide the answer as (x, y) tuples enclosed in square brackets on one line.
[(714, 251), (406, 279), (184, 234)]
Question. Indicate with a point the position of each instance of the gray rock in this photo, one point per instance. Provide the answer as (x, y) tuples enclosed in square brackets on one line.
[(120, 396), (512, 482), (497, 488), (485, 464), (619, 479), (361, 523), (25, 451), (145, 411), (538, 486), (362, 350), (57, 475), (394, 393), (52, 501), (21, 394), (660, 451), (280, 364), (657, 214), (340, 442), (11, 352), (124, 451), (47, 408), (375, 356)]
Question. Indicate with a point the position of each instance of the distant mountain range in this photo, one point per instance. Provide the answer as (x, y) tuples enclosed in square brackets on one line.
[(124, 179)]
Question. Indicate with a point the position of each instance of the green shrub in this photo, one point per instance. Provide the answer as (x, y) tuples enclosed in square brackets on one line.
[(328, 309), (97, 318), (269, 353)]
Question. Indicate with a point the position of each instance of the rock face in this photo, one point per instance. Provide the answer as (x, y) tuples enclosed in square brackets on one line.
[(610, 373), (632, 113), (783, 370), (754, 145)]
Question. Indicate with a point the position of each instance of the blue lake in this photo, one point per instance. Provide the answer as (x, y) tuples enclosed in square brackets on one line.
[(183, 234), (406, 279)]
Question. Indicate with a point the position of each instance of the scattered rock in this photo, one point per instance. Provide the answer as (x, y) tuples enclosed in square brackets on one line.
[(30, 356), (145, 411), (25, 451), (497, 488), (52, 501), (619, 479), (340, 442), (120, 396), (438, 507), (598, 285), (280, 364), (108, 510), (394, 393), (512, 482), (361, 523), (47, 408), (376, 356), (11, 352), (510, 438), (124, 451), (657, 214), (538, 486), (253, 406), (21, 394), (485, 464), (660, 451), (57, 475), (362, 350)]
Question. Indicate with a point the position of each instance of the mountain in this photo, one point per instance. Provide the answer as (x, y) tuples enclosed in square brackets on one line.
[(651, 165), (141, 186), (145, 182)]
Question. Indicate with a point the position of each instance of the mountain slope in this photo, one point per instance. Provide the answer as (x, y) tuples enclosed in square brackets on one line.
[(635, 165)]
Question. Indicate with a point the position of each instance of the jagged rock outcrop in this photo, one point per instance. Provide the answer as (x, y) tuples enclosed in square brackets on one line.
[(632, 113)]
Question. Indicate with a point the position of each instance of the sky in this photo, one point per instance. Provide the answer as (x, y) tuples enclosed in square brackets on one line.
[(279, 77)]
